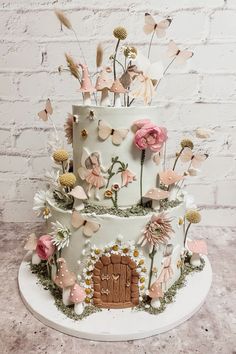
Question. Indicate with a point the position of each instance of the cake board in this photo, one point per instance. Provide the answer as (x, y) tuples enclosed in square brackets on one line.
[(115, 325)]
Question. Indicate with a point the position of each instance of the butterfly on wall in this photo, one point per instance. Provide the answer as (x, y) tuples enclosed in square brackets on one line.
[(88, 227), (48, 110), (159, 27), (196, 159), (105, 131), (181, 55)]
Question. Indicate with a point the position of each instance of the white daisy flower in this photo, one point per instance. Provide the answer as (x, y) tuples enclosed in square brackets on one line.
[(41, 207), (52, 177), (60, 235)]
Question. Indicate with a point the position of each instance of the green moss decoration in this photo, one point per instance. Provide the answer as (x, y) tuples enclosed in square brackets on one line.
[(41, 271), (169, 296)]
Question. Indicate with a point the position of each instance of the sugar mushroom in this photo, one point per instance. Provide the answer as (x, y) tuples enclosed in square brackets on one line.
[(86, 86), (64, 280), (117, 88), (79, 194), (156, 194), (31, 245), (155, 293), (103, 84), (77, 296), (197, 247), (169, 177)]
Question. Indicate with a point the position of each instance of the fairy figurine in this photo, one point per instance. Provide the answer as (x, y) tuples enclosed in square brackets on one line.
[(167, 271), (91, 172)]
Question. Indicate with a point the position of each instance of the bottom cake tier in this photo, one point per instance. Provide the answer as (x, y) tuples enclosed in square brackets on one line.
[(113, 256)]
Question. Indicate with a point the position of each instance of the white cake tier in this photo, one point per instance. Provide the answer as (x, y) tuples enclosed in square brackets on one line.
[(124, 232), (86, 141)]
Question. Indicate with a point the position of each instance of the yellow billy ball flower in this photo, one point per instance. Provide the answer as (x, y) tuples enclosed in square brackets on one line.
[(193, 216), (60, 155), (186, 143), (120, 33), (67, 180)]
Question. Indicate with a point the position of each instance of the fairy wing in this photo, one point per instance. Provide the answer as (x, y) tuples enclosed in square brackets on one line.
[(186, 155), (172, 49), (142, 62), (77, 220), (155, 71), (104, 129), (162, 26), (83, 172), (150, 24), (90, 228), (183, 56), (31, 243), (119, 135), (198, 159)]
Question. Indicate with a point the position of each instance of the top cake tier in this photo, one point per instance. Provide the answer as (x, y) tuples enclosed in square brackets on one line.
[(106, 158)]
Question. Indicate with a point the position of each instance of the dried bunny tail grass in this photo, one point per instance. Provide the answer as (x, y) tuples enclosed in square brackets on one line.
[(72, 66), (63, 19), (99, 57)]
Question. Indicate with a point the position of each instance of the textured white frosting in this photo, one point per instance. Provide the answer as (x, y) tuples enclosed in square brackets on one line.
[(113, 226), (127, 151)]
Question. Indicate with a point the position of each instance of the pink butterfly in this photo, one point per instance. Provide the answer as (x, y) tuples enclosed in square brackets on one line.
[(151, 25), (196, 159), (88, 227), (181, 55), (46, 112), (105, 130)]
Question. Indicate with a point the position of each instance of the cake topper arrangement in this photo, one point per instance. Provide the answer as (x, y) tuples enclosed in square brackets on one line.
[(127, 75), (84, 200)]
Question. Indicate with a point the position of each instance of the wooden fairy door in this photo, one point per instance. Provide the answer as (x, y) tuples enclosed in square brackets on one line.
[(115, 282)]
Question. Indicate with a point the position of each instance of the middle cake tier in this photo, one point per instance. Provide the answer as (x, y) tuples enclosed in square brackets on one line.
[(106, 158)]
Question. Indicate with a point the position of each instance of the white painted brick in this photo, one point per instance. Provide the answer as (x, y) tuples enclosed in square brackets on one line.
[(5, 138), (203, 194), (214, 58), (178, 87), (218, 217), (8, 85), (29, 140), (7, 188), (223, 25), (218, 87), (13, 164), (22, 55), (39, 165), (26, 188), (226, 193), (18, 211)]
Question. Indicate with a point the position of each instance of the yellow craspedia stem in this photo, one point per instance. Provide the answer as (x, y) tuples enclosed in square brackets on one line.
[(186, 143), (193, 216), (67, 180), (120, 33), (60, 155)]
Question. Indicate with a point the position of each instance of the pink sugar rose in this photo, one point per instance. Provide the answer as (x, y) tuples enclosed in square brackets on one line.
[(149, 136), (45, 247), (141, 122)]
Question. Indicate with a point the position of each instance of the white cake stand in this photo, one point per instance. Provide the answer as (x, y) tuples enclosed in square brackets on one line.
[(115, 325)]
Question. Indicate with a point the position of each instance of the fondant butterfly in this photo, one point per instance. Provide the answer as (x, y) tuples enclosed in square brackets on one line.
[(181, 55), (31, 242), (196, 159), (105, 130), (44, 115), (88, 227), (159, 28)]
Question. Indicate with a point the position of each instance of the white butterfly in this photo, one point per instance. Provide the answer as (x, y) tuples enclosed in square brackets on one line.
[(88, 227), (181, 55), (196, 159), (105, 130), (159, 27), (44, 115)]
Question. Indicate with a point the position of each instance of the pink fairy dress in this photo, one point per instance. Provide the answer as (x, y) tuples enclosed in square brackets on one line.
[(95, 179), (167, 271)]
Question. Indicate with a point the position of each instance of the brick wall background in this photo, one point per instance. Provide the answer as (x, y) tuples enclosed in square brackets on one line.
[(203, 94)]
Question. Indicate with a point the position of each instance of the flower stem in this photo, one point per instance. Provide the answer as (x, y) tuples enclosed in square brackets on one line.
[(151, 255), (143, 154), (150, 44), (177, 158), (114, 59), (186, 233)]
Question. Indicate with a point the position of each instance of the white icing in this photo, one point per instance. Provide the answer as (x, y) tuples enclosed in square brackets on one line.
[(127, 151), (111, 228)]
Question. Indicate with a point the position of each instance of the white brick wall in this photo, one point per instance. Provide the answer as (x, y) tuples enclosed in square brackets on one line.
[(202, 94)]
